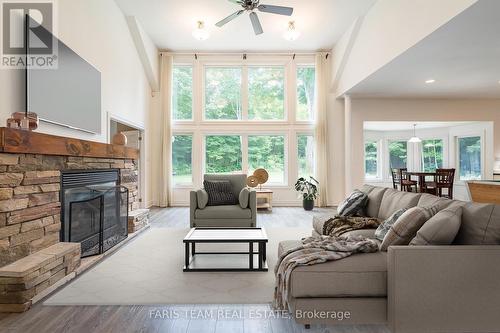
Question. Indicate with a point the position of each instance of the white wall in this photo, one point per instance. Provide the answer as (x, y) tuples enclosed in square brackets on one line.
[(387, 30), (98, 32)]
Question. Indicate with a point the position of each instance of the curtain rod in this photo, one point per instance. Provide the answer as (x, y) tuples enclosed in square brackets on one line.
[(240, 53)]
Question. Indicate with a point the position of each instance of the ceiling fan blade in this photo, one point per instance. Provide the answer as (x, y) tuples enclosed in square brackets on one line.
[(257, 27), (229, 18), (288, 11)]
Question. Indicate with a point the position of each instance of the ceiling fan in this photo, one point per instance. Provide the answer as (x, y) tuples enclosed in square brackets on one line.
[(251, 6)]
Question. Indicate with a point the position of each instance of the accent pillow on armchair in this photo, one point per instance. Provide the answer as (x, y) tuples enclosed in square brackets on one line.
[(219, 192)]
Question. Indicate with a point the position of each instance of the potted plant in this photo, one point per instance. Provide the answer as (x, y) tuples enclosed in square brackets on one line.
[(309, 191)]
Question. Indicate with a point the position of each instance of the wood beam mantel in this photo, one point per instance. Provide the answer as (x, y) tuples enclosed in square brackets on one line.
[(26, 142)]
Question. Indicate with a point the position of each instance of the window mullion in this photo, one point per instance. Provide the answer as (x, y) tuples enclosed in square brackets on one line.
[(244, 92), (244, 153)]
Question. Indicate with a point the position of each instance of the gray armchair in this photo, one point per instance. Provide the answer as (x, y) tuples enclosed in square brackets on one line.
[(228, 215)]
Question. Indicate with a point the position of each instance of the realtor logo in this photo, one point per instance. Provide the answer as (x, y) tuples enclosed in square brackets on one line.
[(27, 35)]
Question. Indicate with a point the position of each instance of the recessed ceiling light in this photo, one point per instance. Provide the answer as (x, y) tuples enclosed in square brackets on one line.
[(430, 81)]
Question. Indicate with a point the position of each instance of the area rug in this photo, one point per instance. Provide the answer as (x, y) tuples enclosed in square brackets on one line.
[(148, 271)]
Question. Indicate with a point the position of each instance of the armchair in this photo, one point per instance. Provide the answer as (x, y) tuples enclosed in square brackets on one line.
[(227, 215)]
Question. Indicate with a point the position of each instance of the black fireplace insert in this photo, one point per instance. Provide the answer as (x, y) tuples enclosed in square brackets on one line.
[(94, 209)]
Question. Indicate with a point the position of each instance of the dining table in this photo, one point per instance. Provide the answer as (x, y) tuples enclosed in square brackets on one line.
[(421, 178)]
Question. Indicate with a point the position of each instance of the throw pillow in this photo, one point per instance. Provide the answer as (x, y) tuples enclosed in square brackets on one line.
[(383, 229), (243, 197), (202, 198), (405, 228), (441, 229), (220, 192), (353, 204)]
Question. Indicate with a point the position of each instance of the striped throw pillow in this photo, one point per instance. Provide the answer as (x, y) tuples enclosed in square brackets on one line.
[(353, 204), (384, 228), (220, 192)]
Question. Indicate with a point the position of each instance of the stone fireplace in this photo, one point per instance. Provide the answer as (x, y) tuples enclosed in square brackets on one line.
[(35, 256)]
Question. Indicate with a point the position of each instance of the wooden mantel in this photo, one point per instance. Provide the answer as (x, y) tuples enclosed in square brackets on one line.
[(26, 142)]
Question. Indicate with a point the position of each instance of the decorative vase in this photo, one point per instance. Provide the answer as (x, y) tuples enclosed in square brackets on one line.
[(120, 139), (308, 204)]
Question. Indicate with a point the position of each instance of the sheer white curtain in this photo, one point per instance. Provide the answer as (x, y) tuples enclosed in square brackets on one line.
[(165, 183), (321, 129)]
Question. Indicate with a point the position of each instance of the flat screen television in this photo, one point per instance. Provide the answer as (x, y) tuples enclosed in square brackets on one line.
[(68, 96)]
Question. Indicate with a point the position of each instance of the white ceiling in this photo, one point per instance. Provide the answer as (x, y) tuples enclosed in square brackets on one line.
[(170, 23), (463, 57), (408, 126)]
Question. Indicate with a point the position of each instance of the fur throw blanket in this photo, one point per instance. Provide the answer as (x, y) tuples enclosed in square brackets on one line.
[(339, 225), (315, 250)]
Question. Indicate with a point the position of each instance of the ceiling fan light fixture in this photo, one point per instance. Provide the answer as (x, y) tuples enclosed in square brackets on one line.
[(201, 33), (291, 33)]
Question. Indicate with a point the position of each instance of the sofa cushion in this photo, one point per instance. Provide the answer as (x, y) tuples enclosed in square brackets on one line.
[(353, 204), (480, 224), (406, 227), (394, 200), (429, 200), (319, 220), (202, 198), (223, 212), (243, 197), (384, 228), (440, 229), (375, 195), (360, 275)]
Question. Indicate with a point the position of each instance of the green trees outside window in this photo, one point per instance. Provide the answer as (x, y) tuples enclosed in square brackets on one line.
[(223, 153), (469, 156), (432, 154), (182, 153), (305, 158), (398, 154), (306, 81), (266, 93), (371, 159), (182, 93), (268, 152), (223, 93)]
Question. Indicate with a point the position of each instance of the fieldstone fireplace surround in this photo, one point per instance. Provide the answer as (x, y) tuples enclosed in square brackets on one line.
[(33, 260)]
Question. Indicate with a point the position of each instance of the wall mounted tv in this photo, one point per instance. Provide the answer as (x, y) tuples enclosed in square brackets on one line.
[(70, 95)]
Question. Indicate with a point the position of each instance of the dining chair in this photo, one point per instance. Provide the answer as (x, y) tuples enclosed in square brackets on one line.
[(444, 180), (396, 180), (405, 180)]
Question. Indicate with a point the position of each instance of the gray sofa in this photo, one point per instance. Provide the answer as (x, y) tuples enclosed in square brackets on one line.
[(228, 215), (453, 288)]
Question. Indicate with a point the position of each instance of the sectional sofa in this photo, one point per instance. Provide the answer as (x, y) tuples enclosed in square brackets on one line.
[(453, 288)]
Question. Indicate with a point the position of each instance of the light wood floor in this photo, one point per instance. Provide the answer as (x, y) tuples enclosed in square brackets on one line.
[(185, 319)]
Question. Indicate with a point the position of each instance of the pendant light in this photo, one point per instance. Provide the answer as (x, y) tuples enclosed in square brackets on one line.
[(415, 138)]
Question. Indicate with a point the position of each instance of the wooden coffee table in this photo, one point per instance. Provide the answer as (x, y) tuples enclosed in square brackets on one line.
[(226, 261)]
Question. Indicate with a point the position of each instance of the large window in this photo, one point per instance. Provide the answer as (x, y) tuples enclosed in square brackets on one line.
[(241, 114), (371, 159), (306, 80), (469, 157), (268, 152), (182, 152), (266, 93), (398, 154), (305, 158), (223, 93), (223, 153), (182, 93), (432, 154)]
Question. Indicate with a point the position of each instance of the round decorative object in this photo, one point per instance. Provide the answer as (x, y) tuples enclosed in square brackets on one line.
[(262, 175), (120, 139), (252, 181)]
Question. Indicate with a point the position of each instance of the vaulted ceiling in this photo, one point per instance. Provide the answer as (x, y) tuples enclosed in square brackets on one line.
[(170, 23)]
